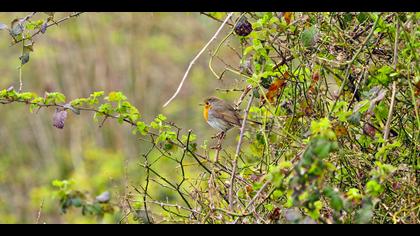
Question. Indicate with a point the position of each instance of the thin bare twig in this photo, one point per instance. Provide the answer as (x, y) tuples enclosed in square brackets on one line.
[(394, 86), (350, 63), (254, 198), (197, 56), (219, 146), (39, 212), (28, 16), (241, 98), (50, 24), (214, 18), (238, 149)]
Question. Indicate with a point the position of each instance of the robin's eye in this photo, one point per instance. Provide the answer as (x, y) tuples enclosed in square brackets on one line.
[(207, 103)]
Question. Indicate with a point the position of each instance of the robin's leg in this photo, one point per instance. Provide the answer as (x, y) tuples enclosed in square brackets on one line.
[(219, 135)]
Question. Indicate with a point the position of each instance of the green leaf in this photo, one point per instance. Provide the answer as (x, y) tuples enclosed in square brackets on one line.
[(309, 37), (34, 24), (54, 98), (362, 16), (57, 183), (347, 17), (323, 147), (248, 50), (154, 125), (354, 194), (142, 128), (78, 101), (269, 206), (373, 188), (354, 118), (277, 194), (27, 96), (161, 117), (116, 97), (105, 108), (77, 202), (335, 200)]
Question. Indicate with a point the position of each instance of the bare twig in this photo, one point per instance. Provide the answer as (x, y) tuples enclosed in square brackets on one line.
[(219, 146), (241, 98), (39, 212), (257, 195), (350, 63), (49, 25), (394, 86), (196, 57), (28, 16), (238, 149), (214, 18)]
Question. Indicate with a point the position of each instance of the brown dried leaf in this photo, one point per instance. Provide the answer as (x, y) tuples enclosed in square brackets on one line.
[(315, 79), (340, 130), (276, 87), (287, 17), (275, 215)]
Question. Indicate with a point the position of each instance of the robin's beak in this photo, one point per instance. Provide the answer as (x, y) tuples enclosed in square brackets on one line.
[(201, 104)]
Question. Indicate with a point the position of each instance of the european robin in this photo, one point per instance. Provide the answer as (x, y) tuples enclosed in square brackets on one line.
[(220, 115)]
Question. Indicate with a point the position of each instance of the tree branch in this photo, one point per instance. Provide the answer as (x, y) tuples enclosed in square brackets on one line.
[(196, 57), (238, 149), (49, 25)]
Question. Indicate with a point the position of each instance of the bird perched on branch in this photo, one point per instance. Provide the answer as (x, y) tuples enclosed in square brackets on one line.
[(221, 115)]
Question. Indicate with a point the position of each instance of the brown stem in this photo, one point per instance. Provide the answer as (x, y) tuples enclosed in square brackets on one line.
[(394, 86), (238, 149)]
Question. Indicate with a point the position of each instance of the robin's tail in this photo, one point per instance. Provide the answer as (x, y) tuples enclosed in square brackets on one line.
[(252, 121), (255, 122)]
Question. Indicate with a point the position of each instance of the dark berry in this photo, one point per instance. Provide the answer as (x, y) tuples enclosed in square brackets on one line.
[(243, 28)]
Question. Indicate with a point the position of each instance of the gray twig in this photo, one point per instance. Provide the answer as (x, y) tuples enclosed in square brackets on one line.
[(196, 57), (238, 149)]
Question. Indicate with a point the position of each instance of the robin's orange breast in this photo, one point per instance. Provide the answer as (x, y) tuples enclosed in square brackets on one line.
[(206, 112)]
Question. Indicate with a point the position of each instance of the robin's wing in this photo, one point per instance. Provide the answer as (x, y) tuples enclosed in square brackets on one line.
[(228, 114)]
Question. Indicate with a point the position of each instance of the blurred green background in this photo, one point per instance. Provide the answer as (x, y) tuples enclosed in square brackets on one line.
[(144, 55)]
